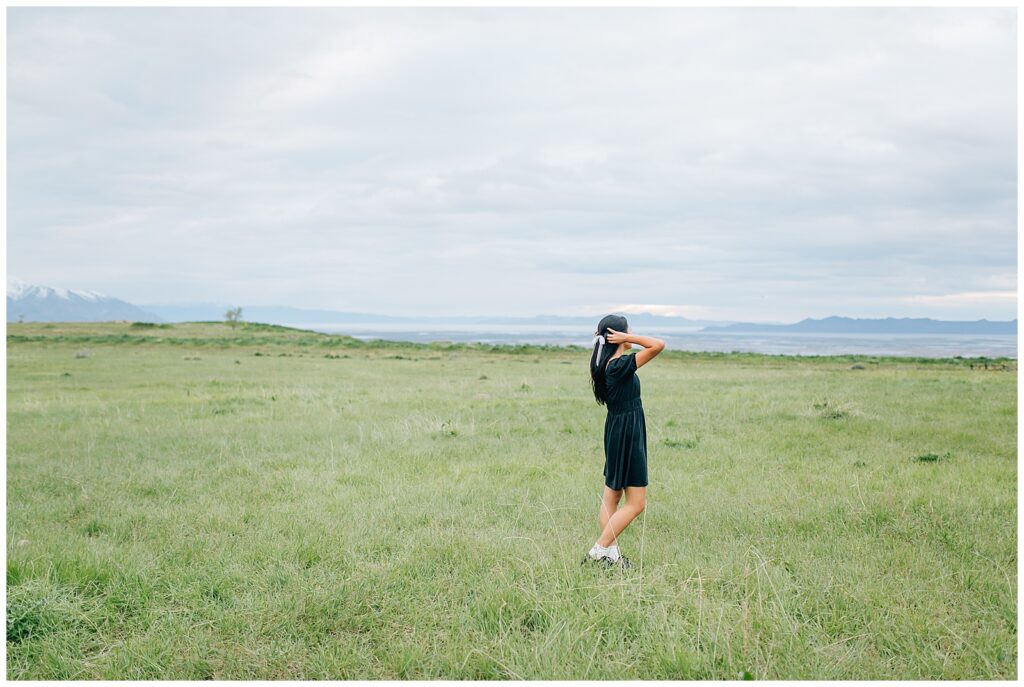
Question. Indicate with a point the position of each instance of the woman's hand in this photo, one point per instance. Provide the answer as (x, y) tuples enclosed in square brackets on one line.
[(614, 337)]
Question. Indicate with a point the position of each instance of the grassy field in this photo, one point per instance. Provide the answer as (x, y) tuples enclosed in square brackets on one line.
[(195, 501)]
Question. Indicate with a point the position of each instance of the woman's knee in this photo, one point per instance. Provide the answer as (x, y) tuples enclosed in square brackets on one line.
[(637, 499)]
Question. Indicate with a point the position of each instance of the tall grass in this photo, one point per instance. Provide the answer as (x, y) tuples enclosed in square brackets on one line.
[(197, 501)]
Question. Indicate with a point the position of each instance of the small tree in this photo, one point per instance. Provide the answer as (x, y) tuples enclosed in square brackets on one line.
[(233, 316)]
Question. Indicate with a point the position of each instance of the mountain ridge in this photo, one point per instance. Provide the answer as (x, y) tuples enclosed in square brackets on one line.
[(36, 303)]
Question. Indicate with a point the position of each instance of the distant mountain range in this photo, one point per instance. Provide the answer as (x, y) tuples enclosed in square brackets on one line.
[(33, 303)]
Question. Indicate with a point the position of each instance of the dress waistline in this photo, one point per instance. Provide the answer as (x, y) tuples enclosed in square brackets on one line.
[(626, 406)]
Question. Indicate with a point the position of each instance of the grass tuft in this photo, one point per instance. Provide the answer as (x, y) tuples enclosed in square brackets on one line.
[(931, 457)]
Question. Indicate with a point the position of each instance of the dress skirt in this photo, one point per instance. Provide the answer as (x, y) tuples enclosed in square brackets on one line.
[(625, 446)]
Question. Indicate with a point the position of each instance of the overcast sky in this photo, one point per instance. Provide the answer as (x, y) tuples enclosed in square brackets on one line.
[(750, 164)]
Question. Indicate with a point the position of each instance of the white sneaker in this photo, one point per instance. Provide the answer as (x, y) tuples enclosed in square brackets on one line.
[(596, 553), (620, 562)]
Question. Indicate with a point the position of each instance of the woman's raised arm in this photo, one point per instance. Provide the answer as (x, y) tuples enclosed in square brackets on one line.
[(651, 345)]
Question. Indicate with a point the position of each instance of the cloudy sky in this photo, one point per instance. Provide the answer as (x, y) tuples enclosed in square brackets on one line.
[(746, 163)]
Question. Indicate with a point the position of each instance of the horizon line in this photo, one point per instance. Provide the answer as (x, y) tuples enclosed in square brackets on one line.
[(579, 316)]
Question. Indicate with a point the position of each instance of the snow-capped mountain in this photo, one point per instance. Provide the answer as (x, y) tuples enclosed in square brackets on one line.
[(33, 303)]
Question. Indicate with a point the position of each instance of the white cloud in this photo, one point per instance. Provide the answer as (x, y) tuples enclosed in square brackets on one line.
[(693, 312), (968, 298)]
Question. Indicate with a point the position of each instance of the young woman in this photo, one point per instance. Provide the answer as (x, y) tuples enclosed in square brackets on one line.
[(615, 384)]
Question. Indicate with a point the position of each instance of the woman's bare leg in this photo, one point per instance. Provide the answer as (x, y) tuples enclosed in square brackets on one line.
[(636, 501), (608, 504)]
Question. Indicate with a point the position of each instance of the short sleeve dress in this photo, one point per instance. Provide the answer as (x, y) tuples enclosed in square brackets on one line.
[(625, 428)]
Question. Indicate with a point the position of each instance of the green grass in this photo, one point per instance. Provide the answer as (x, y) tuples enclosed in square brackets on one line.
[(197, 501)]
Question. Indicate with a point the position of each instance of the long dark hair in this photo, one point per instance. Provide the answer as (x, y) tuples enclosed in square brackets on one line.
[(597, 364)]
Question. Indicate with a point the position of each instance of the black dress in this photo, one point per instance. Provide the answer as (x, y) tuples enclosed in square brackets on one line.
[(625, 428)]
